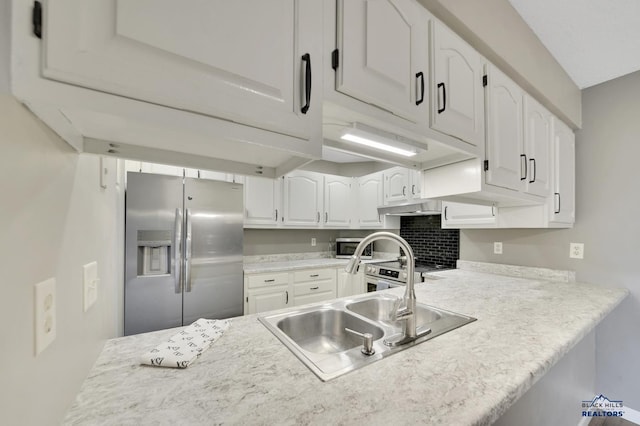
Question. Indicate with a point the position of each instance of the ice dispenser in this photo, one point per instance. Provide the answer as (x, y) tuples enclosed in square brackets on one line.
[(154, 252)]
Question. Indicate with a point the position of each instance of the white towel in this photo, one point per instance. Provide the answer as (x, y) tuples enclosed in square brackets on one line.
[(184, 347), (382, 285)]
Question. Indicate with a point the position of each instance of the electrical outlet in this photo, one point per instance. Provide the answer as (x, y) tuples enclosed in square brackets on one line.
[(497, 247), (313, 242), (576, 250), (44, 307), (90, 271)]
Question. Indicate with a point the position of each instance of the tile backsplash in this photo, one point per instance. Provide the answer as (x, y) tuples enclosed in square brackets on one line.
[(431, 243)]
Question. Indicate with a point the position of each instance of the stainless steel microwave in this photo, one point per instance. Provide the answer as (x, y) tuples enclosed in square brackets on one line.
[(346, 247)]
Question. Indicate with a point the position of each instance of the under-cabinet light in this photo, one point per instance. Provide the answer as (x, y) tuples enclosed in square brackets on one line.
[(377, 139)]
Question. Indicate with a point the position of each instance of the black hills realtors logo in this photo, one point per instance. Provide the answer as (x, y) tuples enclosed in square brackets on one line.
[(601, 406)]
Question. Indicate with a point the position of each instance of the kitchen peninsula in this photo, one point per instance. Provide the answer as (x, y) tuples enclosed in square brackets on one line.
[(471, 375)]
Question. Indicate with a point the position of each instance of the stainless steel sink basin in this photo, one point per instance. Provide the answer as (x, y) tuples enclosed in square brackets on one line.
[(322, 331), (317, 334), (382, 308)]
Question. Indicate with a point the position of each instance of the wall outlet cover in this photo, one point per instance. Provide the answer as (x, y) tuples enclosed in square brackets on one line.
[(91, 282), (576, 250), (497, 247), (313, 242), (45, 322)]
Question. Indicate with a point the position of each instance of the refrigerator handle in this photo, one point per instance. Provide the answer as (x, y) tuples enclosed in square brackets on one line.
[(177, 251), (187, 253)]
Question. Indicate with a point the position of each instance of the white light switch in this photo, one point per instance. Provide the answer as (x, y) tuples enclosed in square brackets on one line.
[(91, 282), (45, 314)]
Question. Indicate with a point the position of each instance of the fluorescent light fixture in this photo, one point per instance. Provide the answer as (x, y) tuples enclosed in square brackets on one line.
[(378, 139)]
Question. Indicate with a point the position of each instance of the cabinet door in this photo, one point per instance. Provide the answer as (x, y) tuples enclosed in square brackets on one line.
[(415, 183), (303, 194), (243, 61), (383, 51), (262, 201), (267, 301), (457, 107), (564, 157), (504, 145), (396, 185), (460, 215), (537, 144), (369, 198), (337, 201)]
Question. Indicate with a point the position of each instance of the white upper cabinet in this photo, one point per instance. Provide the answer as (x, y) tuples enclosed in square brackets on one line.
[(262, 201), (401, 185), (249, 62), (383, 55), (537, 146), (303, 198), (507, 163), (370, 196), (564, 147), (396, 185), (457, 106), (461, 215), (338, 201)]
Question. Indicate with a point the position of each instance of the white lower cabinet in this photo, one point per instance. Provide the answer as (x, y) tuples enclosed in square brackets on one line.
[(350, 284), (313, 285), (269, 291)]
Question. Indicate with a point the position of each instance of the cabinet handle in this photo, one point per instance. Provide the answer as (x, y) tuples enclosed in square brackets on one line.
[(326, 217), (314, 275), (525, 166), (420, 77), (413, 190), (493, 210), (269, 281), (444, 98), (404, 190), (557, 195), (533, 167), (318, 217), (307, 83), (276, 215), (445, 212), (286, 292), (313, 288)]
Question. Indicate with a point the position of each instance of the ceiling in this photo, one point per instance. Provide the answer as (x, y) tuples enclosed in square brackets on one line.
[(593, 40)]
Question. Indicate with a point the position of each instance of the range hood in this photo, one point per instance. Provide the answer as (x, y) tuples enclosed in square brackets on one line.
[(422, 207)]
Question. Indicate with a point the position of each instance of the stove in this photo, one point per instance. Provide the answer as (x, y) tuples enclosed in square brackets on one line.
[(393, 273)]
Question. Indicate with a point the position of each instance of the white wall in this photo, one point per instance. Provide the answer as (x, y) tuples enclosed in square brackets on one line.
[(607, 222), (5, 44), (54, 218)]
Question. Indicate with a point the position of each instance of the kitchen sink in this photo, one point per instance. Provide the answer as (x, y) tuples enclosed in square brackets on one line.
[(381, 309), (325, 336), (322, 331)]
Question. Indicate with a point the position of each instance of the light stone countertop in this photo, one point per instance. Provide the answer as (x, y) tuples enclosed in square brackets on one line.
[(288, 265), (469, 376)]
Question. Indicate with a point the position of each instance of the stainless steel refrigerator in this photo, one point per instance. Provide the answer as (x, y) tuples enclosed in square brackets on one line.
[(183, 251)]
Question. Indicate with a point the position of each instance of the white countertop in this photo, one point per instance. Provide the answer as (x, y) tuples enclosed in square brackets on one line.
[(468, 376), (288, 265)]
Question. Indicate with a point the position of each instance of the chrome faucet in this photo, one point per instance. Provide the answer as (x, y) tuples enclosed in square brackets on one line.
[(406, 309)]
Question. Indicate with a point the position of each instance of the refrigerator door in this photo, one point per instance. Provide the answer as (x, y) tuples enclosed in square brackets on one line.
[(213, 286), (154, 222)]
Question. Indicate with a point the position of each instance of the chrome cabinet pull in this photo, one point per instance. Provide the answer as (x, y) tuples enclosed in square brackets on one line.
[(269, 281), (445, 212), (314, 288), (314, 275), (525, 167), (404, 190), (444, 98), (276, 215), (533, 168), (326, 217), (286, 302), (318, 217), (557, 196)]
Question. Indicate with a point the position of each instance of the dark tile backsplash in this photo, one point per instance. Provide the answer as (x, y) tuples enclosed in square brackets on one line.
[(429, 242)]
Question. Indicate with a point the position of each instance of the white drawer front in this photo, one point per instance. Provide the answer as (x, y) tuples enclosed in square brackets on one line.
[(314, 275), (267, 280), (314, 287)]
